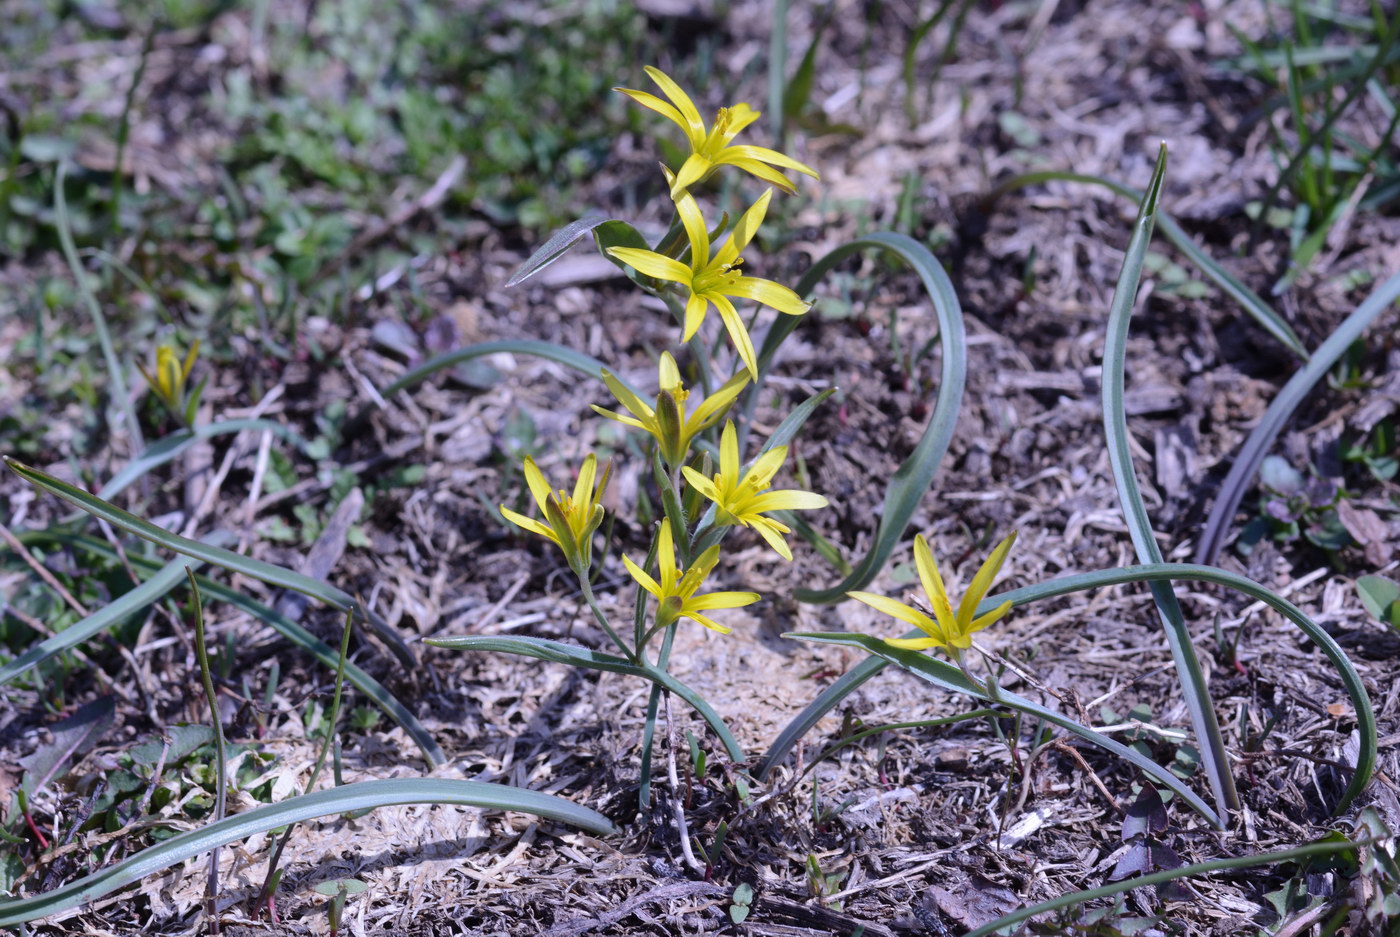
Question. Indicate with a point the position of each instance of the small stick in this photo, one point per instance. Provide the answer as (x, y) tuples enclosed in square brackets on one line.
[(1063, 746)]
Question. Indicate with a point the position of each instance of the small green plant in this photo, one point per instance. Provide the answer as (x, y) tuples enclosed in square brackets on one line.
[(1292, 505), (338, 890)]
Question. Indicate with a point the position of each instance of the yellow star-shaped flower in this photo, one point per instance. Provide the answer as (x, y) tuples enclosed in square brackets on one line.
[(673, 428), (712, 148), (743, 498), (675, 593), (571, 519), (947, 629), (714, 278)]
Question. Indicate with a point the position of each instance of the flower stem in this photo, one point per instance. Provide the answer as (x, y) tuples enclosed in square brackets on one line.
[(602, 619)]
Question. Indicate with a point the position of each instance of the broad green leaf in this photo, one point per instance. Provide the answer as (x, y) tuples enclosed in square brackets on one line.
[(1381, 596), (363, 795), (1066, 585), (218, 556), (145, 594), (560, 653), (621, 234), (943, 674), (1120, 457)]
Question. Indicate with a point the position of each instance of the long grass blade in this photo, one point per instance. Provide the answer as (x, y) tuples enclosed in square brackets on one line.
[(169, 448), (218, 556), (362, 795), (912, 479), (1256, 446), (280, 623), (129, 603), (584, 364), (1082, 582), (560, 653), (1228, 283), (1115, 419), (947, 676), (1297, 854)]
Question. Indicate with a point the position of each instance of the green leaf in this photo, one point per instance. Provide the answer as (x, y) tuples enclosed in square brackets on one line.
[(1351, 680), (584, 364), (1115, 419), (575, 656), (554, 248), (913, 478), (218, 556), (621, 234), (145, 594), (363, 795), (947, 676), (167, 448), (1381, 596)]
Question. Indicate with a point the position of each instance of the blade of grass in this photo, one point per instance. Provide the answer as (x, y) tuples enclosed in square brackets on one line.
[(560, 653), (99, 321), (1256, 446), (914, 476), (168, 448), (1232, 286), (289, 629), (1296, 854), (584, 364), (218, 556), (129, 603), (1351, 680), (361, 795), (947, 676), (1115, 417)]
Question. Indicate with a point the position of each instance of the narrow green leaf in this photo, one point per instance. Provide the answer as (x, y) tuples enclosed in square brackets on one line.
[(792, 424), (554, 248), (913, 478), (943, 674), (584, 364), (1066, 585), (277, 621), (1115, 419), (1231, 285), (575, 656), (362, 795), (145, 594), (168, 448), (1256, 447), (1004, 923), (218, 556)]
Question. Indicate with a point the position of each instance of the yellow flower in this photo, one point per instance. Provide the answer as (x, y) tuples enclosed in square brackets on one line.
[(571, 521), (947, 629), (673, 428), (712, 148), (675, 593), (742, 499), (714, 278), (170, 379)]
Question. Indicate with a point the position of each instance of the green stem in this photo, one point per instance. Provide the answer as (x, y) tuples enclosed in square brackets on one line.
[(602, 620), (649, 728)]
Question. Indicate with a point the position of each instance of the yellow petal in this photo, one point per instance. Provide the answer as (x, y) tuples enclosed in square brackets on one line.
[(901, 611), (653, 264), (613, 415), (711, 600), (990, 618), (744, 229), (526, 523), (695, 308), (793, 499), (739, 116), (643, 580), (668, 375), (765, 467), (700, 483), (729, 454), (631, 401), (982, 582), (647, 99), (927, 566), (771, 294), (583, 488), (709, 411), (737, 333), (695, 126), (914, 644), (695, 229), (767, 173), (767, 529), (538, 486), (707, 622), (772, 157), (666, 556), (695, 168)]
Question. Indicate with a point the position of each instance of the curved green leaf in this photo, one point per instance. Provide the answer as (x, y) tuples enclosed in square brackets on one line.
[(1351, 680), (912, 479), (943, 674), (218, 556), (554, 248), (1256, 447), (560, 653), (792, 424), (1120, 457), (362, 795), (289, 629), (584, 364), (1231, 285), (147, 593), (1296, 854), (167, 448)]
